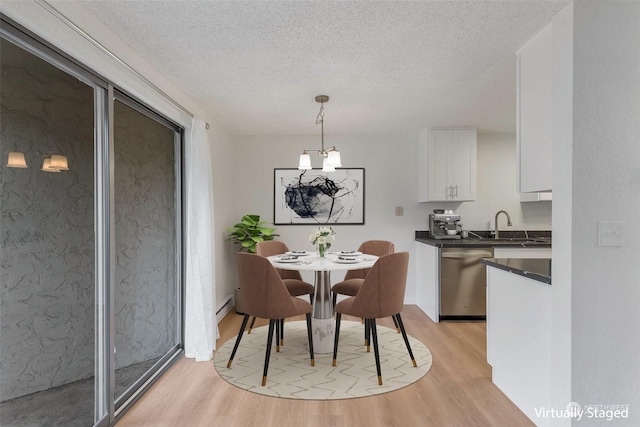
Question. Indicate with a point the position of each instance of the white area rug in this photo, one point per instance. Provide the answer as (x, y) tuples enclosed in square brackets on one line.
[(291, 375)]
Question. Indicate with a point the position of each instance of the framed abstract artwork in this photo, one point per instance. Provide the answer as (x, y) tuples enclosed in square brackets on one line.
[(314, 197)]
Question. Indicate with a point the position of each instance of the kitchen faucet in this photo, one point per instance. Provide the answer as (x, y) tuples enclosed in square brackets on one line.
[(496, 222)]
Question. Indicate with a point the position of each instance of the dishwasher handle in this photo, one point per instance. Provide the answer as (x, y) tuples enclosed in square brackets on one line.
[(467, 254)]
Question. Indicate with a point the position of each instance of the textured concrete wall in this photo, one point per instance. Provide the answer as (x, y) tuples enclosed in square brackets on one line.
[(46, 228), (145, 286)]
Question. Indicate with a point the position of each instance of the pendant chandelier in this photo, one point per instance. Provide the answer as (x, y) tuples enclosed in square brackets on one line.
[(330, 156)]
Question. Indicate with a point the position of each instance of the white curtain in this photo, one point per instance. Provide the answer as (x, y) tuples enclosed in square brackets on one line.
[(201, 329)]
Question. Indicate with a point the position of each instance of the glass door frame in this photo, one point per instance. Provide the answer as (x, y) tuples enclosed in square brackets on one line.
[(131, 395)]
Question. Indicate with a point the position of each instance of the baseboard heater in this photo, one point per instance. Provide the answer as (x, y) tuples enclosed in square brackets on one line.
[(224, 308)]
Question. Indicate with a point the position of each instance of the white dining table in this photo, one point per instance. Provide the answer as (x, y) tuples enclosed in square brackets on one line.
[(323, 321)]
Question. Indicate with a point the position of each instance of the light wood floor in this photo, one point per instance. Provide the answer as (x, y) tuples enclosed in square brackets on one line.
[(457, 391)]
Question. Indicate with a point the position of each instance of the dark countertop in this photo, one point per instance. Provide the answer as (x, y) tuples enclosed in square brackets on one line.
[(535, 269), (540, 239)]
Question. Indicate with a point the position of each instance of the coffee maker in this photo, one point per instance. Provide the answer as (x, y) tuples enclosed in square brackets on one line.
[(443, 224)]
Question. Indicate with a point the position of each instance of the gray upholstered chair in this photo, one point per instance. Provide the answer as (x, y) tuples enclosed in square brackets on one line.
[(291, 278), (380, 295), (353, 278), (266, 296)]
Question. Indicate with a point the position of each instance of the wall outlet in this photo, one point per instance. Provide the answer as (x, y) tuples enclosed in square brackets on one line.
[(399, 211), (612, 233)]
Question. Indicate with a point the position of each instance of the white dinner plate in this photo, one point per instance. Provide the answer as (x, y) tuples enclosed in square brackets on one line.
[(349, 253), (288, 258), (298, 253), (347, 260)]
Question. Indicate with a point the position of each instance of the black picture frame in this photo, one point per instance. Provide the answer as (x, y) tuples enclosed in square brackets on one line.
[(314, 197)]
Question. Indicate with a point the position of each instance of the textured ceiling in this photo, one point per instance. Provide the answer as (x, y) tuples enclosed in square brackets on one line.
[(388, 67)]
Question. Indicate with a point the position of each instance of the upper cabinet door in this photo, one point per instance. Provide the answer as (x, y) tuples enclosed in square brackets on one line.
[(463, 164), (534, 116), (447, 165), (439, 149)]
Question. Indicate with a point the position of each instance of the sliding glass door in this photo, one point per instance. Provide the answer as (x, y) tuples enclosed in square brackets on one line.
[(91, 247), (47, 250), (147, 232)]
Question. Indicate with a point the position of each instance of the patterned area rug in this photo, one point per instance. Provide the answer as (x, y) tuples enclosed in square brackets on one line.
[(291, 375)]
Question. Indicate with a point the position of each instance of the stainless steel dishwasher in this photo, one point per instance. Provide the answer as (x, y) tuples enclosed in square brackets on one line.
[(463, 283)]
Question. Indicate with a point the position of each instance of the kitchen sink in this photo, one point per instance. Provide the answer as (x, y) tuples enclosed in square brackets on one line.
[(520, 240), (473, 237)]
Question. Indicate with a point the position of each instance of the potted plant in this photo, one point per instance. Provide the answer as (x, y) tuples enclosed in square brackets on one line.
[(249, 231)]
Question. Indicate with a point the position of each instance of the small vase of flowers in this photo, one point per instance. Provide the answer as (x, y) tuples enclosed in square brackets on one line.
[(322, 238)]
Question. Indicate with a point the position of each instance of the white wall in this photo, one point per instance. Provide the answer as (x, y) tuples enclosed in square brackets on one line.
[(562, 208), (224, 212), (606, 187)]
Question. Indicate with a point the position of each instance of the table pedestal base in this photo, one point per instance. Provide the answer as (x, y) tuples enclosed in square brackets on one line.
[(323, 322), (323, 333)]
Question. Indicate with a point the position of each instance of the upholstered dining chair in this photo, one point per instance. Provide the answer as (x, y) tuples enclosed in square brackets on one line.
[(353, 278), (267, 297), (292, 279), (381, 295)]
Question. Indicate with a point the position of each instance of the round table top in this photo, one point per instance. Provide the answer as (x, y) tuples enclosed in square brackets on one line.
[(331, 262)]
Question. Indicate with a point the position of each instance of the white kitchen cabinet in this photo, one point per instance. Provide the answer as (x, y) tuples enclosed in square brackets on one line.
[(536, 197), (427, 273), (447, 165), (518, 340), (534, 113)]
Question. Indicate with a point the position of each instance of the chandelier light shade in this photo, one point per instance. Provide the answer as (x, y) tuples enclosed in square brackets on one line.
[(330, 156), (16, 160), (305, 161), (333, 159), (326, 167)]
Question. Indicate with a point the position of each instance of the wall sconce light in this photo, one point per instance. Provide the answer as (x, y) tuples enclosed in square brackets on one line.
[(55, 163), (46, 166), (59, 162), (330, 156), (16, 160)]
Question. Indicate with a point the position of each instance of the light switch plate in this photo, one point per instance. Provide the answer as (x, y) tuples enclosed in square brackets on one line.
[(612, 233), (399, 211)]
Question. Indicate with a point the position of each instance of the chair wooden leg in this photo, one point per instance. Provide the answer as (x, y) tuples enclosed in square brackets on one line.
[(335, 341), (376, 352), (406, 340), (310, 336), (272, 323), (395, 323), (281, 331), (253, 321), (278, 324), (240, 332)]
